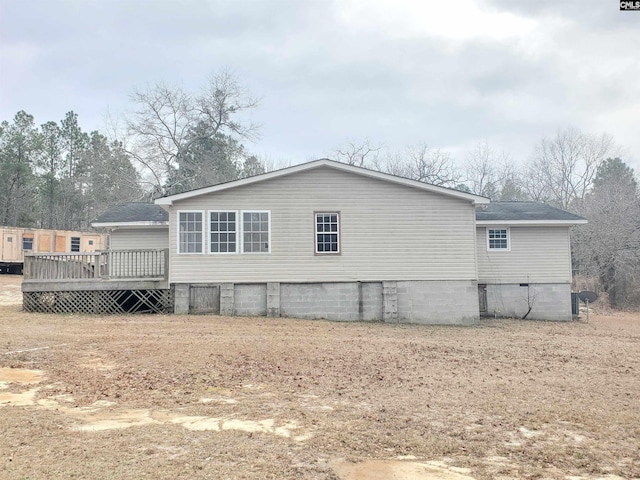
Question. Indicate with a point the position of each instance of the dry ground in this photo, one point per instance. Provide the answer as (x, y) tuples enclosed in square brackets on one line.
[(195, 397)]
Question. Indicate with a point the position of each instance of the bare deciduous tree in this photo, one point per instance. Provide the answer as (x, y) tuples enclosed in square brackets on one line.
[(169, 121), (484, 170), (563, 168), (492, 174), (432, 166), (358, 154), (423, 163)]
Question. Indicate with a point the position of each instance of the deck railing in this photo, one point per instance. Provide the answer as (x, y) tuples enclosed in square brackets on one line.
[(107, 265)]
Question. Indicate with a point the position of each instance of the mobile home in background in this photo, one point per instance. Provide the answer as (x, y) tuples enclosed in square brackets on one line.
[(18, 241)]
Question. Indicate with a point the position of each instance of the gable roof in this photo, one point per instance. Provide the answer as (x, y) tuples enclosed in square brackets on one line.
[(326, 163), (133, 214), (525, 213)]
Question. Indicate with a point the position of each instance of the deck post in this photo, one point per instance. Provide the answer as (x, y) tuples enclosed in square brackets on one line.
[(26, 267), (166, 264)]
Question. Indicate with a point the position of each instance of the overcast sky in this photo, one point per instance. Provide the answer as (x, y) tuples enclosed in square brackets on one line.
[(399, 72)]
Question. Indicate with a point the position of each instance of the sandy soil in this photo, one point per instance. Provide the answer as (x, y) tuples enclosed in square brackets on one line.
[(10, 289), (207, 397)]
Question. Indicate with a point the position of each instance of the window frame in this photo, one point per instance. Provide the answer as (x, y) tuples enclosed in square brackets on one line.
[(78, 244), (31, 241), (499, 249), (242, 232), (203, 231), (316, 233), (211, 232)]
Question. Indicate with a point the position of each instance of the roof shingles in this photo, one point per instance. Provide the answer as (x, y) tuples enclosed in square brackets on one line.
[(134, 212), (524, 211), (496, 211)]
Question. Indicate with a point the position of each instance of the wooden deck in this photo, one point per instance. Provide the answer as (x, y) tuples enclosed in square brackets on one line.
[(105, 270), (114, 281)]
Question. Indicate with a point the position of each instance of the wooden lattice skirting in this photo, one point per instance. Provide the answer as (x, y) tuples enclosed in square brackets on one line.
[(101, 301)]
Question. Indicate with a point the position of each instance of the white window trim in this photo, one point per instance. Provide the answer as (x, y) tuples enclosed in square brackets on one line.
[(315, 229), (241, 220), (508, 249), (204, 232), (237, 232)]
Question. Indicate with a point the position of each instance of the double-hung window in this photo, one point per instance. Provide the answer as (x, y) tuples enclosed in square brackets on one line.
[(327, 232), (190, 232), (498, 239), (223, 232), (256, 232)]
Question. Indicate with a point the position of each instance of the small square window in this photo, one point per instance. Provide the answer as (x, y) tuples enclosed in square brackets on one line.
[(498, 239)]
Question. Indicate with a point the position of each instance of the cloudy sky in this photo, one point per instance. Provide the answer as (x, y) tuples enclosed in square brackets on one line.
[(399, 72)]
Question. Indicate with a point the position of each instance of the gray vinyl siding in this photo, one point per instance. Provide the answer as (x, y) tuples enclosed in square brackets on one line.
[(139, 238), (537, 255), (388, 232)]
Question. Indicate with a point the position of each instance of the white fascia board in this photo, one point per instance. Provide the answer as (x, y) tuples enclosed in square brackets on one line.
[(129, 224), (532, 223), (474, 199)]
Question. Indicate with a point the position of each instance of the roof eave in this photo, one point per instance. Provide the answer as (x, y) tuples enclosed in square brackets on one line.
[(533, 223), (129, 224)]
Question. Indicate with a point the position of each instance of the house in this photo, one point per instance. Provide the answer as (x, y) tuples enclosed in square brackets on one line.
[(326, 240), (329, 240)]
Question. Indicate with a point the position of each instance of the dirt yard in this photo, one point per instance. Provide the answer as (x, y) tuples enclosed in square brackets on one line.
[(207, 397)]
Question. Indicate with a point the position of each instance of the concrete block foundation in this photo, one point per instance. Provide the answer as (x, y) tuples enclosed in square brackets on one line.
[(250, 300), (427, 302), (433, 302), (181, 299), (549, 301), (334, 301)]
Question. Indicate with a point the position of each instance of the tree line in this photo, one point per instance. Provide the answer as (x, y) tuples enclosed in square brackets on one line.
[(56, 175), (575, 171)]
